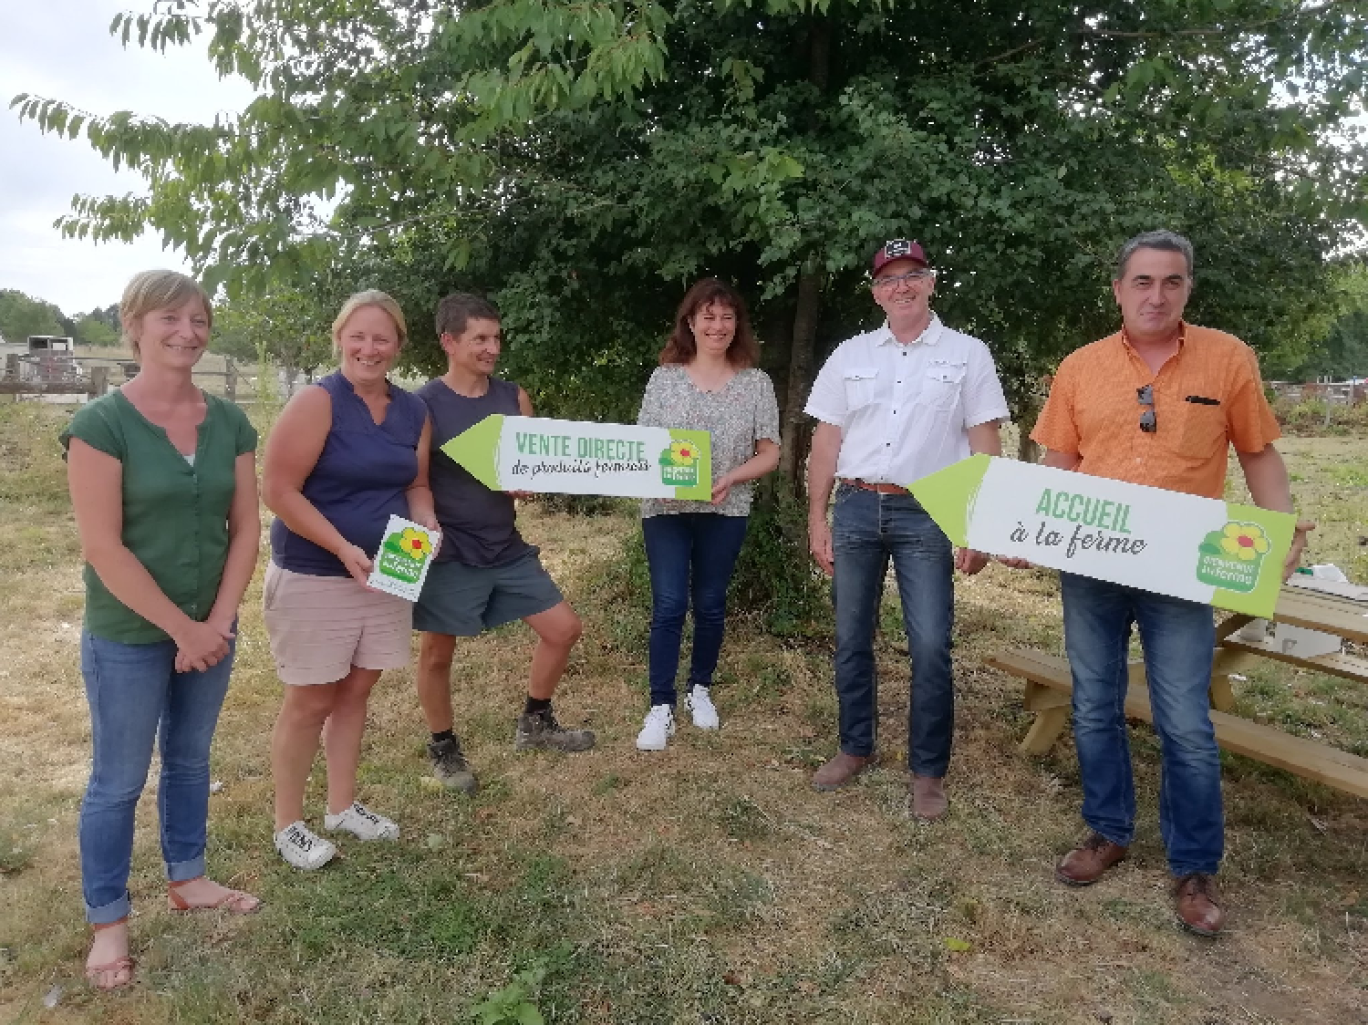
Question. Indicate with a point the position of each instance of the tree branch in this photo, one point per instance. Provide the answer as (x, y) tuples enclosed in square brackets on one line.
[(1106, 33)]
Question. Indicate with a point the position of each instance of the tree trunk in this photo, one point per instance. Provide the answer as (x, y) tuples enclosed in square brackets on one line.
[(819, 52), (777, 331), (1025, 390), (793, 432), (1027, 450)]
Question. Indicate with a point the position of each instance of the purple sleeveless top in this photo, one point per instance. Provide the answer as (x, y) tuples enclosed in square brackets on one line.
[(360, 478)]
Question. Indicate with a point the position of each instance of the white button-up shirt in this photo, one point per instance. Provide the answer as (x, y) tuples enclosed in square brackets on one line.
[(905, 409)]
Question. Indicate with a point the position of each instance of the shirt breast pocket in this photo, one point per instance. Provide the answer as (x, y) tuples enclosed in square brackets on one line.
[(861, 387), (941, 389), (1202, 428)]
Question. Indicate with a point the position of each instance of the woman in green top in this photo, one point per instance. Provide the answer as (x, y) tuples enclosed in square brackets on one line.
[(163, 485)]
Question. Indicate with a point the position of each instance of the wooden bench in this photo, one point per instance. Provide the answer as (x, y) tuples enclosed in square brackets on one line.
[(1049, 689)]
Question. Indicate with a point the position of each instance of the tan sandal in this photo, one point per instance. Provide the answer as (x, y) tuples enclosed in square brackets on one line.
[(95, 972), (122, 964), (236, 902)]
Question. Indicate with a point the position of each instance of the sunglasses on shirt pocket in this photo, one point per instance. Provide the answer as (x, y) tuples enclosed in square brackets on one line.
[(1145, 395)]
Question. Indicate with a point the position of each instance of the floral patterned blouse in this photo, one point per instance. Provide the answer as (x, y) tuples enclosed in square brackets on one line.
[(738, 415)]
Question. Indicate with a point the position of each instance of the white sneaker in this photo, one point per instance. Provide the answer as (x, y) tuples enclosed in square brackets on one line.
[(362, 823), (699, 702), (302, 848), (657, 730)]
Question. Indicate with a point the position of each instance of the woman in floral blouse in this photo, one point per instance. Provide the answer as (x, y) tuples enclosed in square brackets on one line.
[(707, 381)]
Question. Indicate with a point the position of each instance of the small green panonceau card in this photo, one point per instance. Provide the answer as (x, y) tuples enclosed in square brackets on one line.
[(400, 566), (522, 453), (1186, 546)]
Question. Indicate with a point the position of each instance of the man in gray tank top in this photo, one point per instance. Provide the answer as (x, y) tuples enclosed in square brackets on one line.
[(485, 574)]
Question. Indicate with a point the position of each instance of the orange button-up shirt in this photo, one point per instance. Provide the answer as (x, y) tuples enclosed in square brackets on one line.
[(1206, 396)]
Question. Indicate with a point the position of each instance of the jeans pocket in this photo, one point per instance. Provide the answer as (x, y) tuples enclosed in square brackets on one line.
[(103, 656)]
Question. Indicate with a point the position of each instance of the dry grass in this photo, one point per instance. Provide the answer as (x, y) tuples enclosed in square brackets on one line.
[(706, 883)]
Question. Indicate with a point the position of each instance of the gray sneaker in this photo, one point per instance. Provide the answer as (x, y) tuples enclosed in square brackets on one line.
[(540, 730), (449, 765)]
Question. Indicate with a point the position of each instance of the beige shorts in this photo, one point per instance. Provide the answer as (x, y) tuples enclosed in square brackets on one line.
[(322, 626)]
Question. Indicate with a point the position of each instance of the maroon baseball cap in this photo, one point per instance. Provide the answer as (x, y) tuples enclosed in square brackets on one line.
[(899, 249)]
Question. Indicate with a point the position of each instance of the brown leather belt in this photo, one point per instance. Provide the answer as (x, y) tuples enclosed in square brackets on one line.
[(883, 489)]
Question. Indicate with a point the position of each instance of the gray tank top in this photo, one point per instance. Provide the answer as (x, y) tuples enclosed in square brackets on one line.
[(478, 525)]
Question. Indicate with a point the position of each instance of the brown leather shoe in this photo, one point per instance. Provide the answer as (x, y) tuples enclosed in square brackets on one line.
[(1198, 903), (928, 801), (1085, 864), (840, 771)]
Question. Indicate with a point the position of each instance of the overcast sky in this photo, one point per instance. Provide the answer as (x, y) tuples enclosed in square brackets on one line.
[(62, 49)]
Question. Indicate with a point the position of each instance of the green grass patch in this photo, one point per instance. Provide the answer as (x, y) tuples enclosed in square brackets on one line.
[(707, 883), (1351, 475)]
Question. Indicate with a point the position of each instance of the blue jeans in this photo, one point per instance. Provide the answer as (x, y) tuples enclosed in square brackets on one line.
[(136, 696), (867, 530), (689, 553), (1178, 638)]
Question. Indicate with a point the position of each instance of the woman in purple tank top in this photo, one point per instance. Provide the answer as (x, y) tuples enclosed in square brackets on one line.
[(346, 454)]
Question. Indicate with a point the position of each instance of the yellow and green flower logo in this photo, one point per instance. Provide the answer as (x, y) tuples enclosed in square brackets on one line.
[(404, 554), (415, 544), (1244, 541), (679, 464), (682, 453), (1230, 558)]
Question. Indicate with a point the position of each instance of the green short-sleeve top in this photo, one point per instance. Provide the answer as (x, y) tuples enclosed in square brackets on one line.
[(175, 510)]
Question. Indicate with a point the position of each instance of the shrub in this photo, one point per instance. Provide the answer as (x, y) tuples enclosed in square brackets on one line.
[(775, 581), (775, 577)]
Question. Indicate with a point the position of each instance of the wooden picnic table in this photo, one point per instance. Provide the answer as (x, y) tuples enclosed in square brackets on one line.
[(1049, 686)]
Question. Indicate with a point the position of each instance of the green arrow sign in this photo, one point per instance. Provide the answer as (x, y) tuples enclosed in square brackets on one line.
[(523, 453), (1201, 549)]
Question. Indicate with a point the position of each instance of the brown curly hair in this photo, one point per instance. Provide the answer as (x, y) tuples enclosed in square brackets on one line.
[(743, 352)]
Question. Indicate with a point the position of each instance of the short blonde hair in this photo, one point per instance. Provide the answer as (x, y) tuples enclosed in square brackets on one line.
[(158, 290), (370, 297)]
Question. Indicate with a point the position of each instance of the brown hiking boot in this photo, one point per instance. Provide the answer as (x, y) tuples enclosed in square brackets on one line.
[(541, 730), (449, 765), (928, 801), (840, 771), (1085, 864), (1198, 904)]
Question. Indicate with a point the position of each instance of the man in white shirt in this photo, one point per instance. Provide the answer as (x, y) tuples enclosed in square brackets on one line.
[(894, 405)]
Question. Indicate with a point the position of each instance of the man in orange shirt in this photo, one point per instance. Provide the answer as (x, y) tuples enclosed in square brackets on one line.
[(1158, 403)]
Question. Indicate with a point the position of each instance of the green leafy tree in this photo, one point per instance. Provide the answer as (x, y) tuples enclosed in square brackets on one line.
[(109, 316), (1340, 349), (22, 315), (92, 329), (583, 161), (286, 327)]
